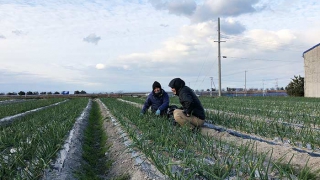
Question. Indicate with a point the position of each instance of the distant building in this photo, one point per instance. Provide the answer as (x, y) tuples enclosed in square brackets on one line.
[(65, 92), (312, 71)]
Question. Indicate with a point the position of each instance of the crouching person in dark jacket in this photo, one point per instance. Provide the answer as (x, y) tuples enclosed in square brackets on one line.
[(193, 114), (158, 100)]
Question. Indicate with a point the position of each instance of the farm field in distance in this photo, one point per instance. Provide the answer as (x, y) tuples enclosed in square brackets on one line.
[(243, 138)]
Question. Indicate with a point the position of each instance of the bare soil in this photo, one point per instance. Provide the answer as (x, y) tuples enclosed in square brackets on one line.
[(123, 163)]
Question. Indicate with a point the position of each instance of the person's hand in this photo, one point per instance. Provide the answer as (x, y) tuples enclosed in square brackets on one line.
[(185, 112), (158, 112)]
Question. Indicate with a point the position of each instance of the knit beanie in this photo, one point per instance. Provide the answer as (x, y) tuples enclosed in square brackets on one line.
[(156, 84)]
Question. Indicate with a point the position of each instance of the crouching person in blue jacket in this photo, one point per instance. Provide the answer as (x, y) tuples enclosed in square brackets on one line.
[(158, 100)]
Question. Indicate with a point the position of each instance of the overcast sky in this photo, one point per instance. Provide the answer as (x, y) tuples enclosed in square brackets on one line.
[(126, 45)]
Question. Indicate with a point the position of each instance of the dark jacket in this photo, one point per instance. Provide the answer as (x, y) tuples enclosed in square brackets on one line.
[(156, 102), (188, 99)]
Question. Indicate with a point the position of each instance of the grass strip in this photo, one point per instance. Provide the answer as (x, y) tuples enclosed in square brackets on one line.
[(95, 165)]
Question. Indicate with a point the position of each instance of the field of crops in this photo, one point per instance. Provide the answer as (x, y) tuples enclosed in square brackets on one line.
[(243, 138)]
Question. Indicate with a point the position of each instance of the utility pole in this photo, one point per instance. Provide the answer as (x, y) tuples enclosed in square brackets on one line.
[(263, 87), (219, 56), (245, 82), (211, 86)]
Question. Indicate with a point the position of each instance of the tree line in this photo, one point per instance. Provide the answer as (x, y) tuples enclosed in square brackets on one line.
[(294, 88), (23, 93)]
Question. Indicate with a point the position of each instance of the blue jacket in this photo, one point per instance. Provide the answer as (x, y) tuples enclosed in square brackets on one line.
[(160, 102)]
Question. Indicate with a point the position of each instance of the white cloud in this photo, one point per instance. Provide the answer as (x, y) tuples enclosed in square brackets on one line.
[(136, 49), (100, 66), (2, 36), (193, 53), (309, 37), (126, 67), (271, 40)]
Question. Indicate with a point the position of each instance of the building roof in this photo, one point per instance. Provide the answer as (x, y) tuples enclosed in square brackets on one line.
[(310, 49)]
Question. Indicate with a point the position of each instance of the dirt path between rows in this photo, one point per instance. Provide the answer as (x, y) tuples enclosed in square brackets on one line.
[(123, 163)]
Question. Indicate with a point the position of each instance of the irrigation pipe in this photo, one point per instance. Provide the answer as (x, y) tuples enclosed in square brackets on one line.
[(14, 101), (8, 119)]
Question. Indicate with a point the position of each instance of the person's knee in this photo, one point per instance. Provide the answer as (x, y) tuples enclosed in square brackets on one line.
[(177, 113), (179, 117), (182, 119), (199, 123)]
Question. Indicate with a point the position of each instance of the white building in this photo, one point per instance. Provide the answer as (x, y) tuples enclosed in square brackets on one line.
[(312, 71)]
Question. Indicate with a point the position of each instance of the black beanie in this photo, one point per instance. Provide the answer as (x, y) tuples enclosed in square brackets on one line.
[(176, 83), (156, 84)]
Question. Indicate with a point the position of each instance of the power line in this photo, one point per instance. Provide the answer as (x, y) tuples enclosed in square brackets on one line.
[(250, 40), (202, 66), (265, 46), (240, 72), (258, 59), (268, 79), (256, 69), (204, 78)]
